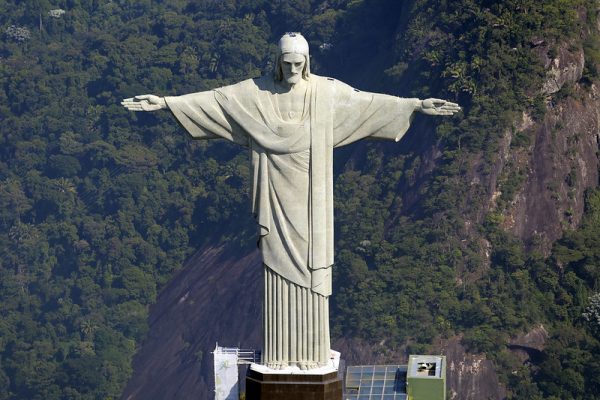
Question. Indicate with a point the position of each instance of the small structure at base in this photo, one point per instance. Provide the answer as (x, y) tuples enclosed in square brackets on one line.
[(426, 378), (226, 361)]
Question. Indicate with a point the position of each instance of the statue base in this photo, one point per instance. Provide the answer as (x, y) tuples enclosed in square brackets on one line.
[(293, 386)]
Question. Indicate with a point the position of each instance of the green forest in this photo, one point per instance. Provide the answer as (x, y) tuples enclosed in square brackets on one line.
[(99, 207)]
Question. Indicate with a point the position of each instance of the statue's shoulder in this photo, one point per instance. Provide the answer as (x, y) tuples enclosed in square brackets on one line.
[(245, 89), (262, 83), (242, 85), (324, 80), (336, 85)]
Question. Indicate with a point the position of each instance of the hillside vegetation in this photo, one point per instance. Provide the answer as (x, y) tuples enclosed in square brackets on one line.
[(99, 207)]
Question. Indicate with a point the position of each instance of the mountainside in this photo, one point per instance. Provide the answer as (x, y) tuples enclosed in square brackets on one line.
[(121, 236), (522, 195), (216, 297)]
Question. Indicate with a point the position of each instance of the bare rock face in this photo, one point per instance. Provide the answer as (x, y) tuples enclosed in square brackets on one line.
[(529, 346), (562, 163), (560, 160), (470, 376), (215, 297), (563, 67), (534, 339)]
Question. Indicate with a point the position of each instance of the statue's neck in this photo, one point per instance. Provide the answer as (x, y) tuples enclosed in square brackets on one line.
[(296, 88)]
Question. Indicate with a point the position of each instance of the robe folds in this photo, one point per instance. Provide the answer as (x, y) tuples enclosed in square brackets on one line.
[(292, 197), (292, 191)]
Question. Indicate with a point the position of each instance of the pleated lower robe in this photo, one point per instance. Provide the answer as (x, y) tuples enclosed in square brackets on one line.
[(296, 323)]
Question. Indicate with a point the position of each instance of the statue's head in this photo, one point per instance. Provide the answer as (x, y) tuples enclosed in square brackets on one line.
[(293, 61)]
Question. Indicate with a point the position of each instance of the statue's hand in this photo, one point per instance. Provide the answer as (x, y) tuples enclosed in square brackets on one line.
[(145, 102), (438, 107)]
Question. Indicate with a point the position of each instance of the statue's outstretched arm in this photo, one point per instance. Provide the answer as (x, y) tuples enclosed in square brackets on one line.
[(438, 107), (145, 102)]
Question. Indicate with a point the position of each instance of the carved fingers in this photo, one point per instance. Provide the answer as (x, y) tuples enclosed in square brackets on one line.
[(145, 102), (439, 107)]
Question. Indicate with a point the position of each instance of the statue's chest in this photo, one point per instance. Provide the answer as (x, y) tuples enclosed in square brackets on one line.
[(291, 107)]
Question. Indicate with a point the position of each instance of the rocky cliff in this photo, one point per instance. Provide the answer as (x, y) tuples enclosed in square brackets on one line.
[(561, 161)]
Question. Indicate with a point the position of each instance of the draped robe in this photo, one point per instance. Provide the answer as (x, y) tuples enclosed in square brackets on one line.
[(292, 195)]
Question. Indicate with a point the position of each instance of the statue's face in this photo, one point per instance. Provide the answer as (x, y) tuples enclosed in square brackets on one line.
[(292, 65)]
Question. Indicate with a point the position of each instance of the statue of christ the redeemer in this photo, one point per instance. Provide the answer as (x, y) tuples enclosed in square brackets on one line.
[(291, 122)]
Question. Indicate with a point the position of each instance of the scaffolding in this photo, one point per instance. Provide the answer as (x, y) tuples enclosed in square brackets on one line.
[(227, 360)]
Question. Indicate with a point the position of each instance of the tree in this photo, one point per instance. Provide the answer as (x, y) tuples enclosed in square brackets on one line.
[(592, 313)]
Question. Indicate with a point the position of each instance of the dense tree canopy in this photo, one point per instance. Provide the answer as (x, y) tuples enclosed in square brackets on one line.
[(99, 207)]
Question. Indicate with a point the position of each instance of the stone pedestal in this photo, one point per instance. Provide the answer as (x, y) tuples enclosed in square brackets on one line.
[(285, 386)]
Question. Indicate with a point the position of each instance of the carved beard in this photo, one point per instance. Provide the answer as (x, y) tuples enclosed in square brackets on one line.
[(293, 79)]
